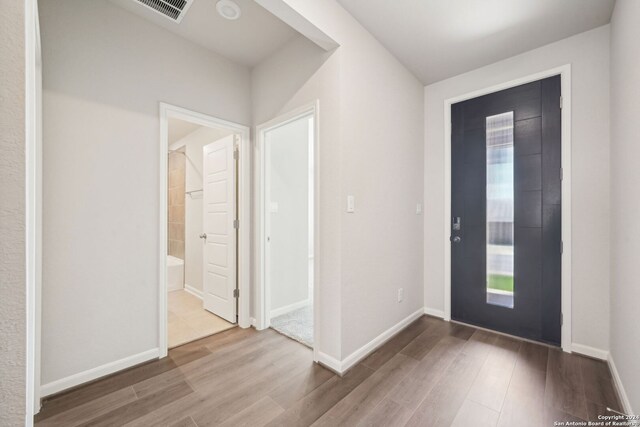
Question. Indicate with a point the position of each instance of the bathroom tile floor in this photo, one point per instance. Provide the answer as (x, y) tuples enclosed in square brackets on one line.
[(189, 321)]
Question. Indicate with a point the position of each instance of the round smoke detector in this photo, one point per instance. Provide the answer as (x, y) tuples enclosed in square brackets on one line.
[(228, 9)]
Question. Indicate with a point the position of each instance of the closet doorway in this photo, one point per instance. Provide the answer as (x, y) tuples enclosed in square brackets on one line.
[(288, 241)]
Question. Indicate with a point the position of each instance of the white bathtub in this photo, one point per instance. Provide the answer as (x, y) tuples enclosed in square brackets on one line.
[(175, 273)]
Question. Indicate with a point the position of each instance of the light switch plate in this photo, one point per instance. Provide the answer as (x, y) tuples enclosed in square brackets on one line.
[(351, 204), (419, 209), (273, 207)]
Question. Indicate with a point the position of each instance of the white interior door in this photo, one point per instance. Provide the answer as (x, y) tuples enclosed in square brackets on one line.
[(219, 214)]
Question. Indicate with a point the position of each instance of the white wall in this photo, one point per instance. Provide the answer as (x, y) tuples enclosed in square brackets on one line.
[(288, 206), (625, 195), (382, 167), (193, 251), (373, 150), (105, 72), (12, 215), (588, 54)]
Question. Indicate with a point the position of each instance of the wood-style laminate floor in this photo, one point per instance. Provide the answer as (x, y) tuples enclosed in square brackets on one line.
[(433, 373)]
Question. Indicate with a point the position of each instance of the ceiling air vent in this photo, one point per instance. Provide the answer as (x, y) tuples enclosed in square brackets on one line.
[(172, 9)]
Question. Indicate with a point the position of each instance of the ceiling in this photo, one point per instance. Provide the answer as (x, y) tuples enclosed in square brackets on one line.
[(178, 129), (247, 41), (438, 39)]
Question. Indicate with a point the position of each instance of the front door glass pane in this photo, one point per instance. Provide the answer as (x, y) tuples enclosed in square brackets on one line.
[(499, 137)]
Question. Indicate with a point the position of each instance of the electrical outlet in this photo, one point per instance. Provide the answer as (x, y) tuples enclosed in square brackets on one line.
[(400, 294)]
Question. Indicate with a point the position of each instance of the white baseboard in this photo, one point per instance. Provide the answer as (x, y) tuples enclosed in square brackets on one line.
[(193, 291), (288, 308), (98, 372), (375, 343), (329, 362), (586, 350), (622, 394), (433, 312)]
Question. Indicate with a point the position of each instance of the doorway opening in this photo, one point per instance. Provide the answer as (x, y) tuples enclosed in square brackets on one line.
[(204, 248), (287, 214)]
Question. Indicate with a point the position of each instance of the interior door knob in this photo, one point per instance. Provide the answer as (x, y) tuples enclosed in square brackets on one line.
[(456, 239), (203, 236)]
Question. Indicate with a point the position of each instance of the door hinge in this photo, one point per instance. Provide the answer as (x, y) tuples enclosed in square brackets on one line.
[(235, 154), (236, 224), (236, 293), (561, 319), (561, 247), (561, 103), (561, 174)]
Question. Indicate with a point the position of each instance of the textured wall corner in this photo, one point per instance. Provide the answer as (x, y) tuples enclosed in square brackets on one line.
[(12, 214), (625, 200)]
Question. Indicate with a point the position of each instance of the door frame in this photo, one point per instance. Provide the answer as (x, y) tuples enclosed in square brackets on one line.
[(168, 111), (565, 90), (33, 208), (262, 284)]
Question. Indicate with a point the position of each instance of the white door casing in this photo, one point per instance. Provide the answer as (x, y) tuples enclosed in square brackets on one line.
[(219, 204)]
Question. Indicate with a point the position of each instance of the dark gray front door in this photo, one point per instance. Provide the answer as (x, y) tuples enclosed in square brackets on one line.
[(506, 211)]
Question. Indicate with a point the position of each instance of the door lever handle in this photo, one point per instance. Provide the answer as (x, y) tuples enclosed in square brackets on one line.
[(203, 236), (455, 239)]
